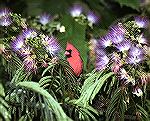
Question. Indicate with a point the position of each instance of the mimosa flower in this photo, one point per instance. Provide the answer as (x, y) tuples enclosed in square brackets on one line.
[(92, 18), (51, 45), (135, 55), (123, 46), (102, 59), (44, 18), (105, 41), (29, 33), (17, 43), (141, 21), (30, 64), (18, 46), (142, 39), (76, 10), (5, 18)]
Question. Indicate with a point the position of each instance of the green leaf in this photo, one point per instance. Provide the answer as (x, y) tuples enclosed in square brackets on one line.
[(117, 104), (4, 113), (91, 87), (2, 93), (85, 112), (99, 83), (45, 80), (134, 4), (143, 112), (88, 82), (88, 114), (3, 102), (19, 75), (56, 6), (23, 118), (13, 97), (75, 34), (53, 104), (48, 68)]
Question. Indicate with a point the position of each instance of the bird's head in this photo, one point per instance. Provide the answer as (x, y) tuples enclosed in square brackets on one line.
[(74, 59), (68, 53), (71, 50)]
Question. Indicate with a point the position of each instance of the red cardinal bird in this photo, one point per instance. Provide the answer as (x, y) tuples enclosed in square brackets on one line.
[(74, 59)]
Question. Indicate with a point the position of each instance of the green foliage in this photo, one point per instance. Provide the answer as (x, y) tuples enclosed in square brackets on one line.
[(117, 106), (12, 65), (60, 115), (53, 92), (92, 86), (85, 113), (135, 4), (19, 76), (2, 93), (143, 113), (4, 113), (52, 6)]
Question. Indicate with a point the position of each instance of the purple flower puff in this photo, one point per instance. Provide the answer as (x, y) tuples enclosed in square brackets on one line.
[(5, 18), (123, 75), (135, 51), (19, 47), (92, 18), (117, 38), (5, 21), (117, 29), (30, 64), (101, 62), (116, 57), (76, 10), (123, 46), (102, 59), (25, 51), (29, 33), (105, 41), (44, 18), (100, 51), (117, 62), (134, 59), (142, 39), (141, 21), (135, 55), (117, 32), (4, 12), (51, 45), (17, 43)]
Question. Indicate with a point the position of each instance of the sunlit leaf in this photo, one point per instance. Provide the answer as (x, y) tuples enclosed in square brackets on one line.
[(92, 86), (4, 113), (55, 106), (2, 93)]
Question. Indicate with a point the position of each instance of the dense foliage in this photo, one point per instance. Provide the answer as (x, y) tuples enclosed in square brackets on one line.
[(38, 83)]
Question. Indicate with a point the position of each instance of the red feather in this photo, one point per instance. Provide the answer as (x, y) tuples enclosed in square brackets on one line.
[(74, 59)]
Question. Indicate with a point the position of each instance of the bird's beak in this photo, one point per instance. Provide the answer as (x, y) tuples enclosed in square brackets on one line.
[(67, 53)]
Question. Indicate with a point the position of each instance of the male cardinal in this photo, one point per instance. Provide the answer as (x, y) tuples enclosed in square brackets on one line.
[(74, 59)]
